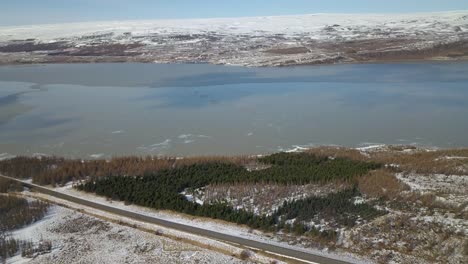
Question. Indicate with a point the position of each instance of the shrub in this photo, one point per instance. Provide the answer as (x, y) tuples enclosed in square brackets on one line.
[(381, 183), (245, 254)]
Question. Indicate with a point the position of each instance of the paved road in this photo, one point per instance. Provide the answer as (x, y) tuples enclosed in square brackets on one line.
[(293, 253)]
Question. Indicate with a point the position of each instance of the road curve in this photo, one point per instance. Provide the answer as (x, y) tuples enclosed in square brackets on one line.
[(276, 249)]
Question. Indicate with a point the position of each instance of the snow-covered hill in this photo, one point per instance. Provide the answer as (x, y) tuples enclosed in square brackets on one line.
[(253, 41)]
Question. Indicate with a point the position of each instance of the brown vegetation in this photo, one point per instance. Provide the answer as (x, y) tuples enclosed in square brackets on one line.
[(264, 197), (73, 170), (404, 232), (447, 162), (29, 250), (407, 237), (28, 167), (338, 152), (102, 50), (381, 183), (8, 247), (53, 170), (31, 46), (406, 158), (16, 212), (245, 254), (465, 248), (288, 51), (9, 185), (454, 49)]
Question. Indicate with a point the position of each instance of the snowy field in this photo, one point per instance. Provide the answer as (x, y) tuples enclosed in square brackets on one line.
[(79, 238), (204, 223), (349, 26), (248, 41)]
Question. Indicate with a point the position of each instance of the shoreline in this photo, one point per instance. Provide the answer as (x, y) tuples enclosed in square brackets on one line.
[(132, 60), (294, 149), (104, 60)]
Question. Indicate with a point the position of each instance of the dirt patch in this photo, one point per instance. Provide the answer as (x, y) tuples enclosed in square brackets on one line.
[(288, 51), (102, 50), (81, 224), (31, 46), (451, 50)]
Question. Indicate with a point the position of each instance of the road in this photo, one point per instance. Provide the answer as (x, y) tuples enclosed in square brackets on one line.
[(276, 249)]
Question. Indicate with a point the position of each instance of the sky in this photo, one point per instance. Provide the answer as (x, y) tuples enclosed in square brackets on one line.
[(24, 12)]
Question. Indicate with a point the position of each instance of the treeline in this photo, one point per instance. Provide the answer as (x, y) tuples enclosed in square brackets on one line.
[(16, 212), (302, 168), (28, 167), (287, 167), (58, 171), (7, 185), (8, 247), (161, 190), (338, 207)]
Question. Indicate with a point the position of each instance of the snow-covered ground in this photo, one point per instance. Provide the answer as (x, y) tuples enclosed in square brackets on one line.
[(314, 25), (454, 184), (450, 190), (4, 156), (259, 198), (80, 238), (209, 224), (249, 41)]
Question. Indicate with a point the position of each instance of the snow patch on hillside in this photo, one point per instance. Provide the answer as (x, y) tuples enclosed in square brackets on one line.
[(315, 26)]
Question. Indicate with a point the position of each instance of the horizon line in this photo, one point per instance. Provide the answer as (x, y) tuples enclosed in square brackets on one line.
[(232, 17)]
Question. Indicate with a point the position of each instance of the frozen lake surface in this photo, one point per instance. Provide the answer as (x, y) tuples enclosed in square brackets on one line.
[(102, 110)]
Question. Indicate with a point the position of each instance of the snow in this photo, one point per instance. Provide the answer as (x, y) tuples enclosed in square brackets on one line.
[(222, 227), (4, 156), (156, 146), (184, 136), (191, 198), (96, 156), (358, 200), (313, 25), (450, 190), (296, 148), (456, 224), (164, 143), (204, 223), (371, 146), (435, 182), (252, 41), (39, 155), (190, 138), (31, 232), (451, 158), (73, 233)]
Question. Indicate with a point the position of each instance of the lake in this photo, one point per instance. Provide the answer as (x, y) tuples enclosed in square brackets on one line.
[(102, 110)]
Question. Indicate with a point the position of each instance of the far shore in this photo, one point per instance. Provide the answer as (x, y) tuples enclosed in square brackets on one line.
[(17, 60)]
